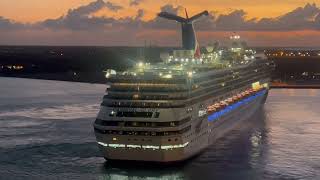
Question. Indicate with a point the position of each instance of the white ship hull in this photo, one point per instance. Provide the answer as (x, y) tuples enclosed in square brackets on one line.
[(203, 133)]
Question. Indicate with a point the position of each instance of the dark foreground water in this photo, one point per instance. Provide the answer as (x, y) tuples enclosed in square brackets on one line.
[(46, 133)]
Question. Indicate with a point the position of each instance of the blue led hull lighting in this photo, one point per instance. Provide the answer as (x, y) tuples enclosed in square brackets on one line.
[(215, 116)]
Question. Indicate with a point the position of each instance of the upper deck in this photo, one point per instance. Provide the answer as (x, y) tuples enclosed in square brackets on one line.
[(183, 76), (174, 72)]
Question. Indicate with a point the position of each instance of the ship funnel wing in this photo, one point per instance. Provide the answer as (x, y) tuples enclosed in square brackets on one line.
[(189, 39), (196, 17), (170, 16)]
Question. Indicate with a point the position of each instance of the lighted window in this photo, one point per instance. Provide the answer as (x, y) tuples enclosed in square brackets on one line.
[(112, 113), (136, 96)]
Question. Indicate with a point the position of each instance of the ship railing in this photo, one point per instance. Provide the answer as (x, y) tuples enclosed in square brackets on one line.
[(142, 123), (204, 96), (143, 132), (147, 129), (147, 95), (143, 103), (157, 80), (229, 78), (223, 74), (181, 101), (148, 90)]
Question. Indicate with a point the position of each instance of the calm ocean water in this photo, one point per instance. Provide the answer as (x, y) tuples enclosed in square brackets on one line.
[(46, 133)]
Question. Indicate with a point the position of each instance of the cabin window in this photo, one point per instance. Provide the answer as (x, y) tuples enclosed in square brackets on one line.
[(143, 133), (156, 114), (172, 124), (135, 114)]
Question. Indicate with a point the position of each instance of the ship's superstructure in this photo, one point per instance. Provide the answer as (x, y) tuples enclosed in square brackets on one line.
[(172, 110)]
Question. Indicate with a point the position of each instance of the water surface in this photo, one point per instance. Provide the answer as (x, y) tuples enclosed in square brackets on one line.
[(46, 133)]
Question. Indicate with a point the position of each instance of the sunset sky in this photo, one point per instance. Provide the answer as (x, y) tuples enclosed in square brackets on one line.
[(132, 22)]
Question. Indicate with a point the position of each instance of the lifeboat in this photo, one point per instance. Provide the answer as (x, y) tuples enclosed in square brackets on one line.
[(235, 98), (218, 109), (230, 100), (217, 105), (223, 103), (211, 109)]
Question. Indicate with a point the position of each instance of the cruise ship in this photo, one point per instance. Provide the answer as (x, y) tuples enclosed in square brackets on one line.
[(172, 110)]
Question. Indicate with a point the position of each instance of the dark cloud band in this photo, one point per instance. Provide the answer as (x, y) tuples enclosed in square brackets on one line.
[(302, 18)]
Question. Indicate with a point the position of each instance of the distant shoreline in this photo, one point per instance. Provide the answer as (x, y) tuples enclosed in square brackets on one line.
[(294, 86), (100, 81), (53, 77)]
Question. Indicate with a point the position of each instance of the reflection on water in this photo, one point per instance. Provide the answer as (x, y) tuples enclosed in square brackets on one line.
[(71, 111), (142, 172), (46, 133)]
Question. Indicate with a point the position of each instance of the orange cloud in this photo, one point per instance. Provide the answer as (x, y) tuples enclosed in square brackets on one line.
[(35, 10), (100, 23)]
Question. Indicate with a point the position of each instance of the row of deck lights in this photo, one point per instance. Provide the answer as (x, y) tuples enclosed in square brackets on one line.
[(301, 54), (185, 60), (164, 147)]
